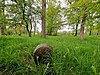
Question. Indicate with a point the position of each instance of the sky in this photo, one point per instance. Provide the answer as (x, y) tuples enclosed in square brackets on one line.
[(63, 3)]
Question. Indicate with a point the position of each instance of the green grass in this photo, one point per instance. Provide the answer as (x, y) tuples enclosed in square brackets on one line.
[(71, 56)]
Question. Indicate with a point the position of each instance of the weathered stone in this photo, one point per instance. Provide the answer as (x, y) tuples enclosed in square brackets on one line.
[(42, 54)]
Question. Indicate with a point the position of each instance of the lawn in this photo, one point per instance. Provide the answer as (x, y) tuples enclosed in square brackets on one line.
[(71, 56)]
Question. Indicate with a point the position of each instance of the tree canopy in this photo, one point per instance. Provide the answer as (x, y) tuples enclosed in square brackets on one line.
[(23, 16)]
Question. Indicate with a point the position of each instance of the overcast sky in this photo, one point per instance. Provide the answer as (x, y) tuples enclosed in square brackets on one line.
[(63, 3)]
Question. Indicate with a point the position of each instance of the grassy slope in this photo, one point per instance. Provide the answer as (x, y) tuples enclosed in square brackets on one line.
[(71, 56)]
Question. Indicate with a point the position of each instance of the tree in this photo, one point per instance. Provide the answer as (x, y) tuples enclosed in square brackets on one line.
[(73, 18), (3, 20), (82, 11), (44, 18), (26, 13), (53, 17), (97, 15), (98, 28)]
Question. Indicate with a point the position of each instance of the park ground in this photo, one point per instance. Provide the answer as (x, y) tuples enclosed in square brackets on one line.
[(71, 56)]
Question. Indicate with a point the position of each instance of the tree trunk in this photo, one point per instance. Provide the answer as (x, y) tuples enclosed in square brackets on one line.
[(3, 28), (34, 27), (30, 31), (15, 31), (26, 26), (83, 22), (2, 31), (44, 18), (97, 33), (90, 32), (30, 34), (20, 32), (82, 32), (76, 30), (82, 27)]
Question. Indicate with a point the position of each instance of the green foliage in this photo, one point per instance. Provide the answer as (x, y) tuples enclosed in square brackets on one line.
[(71, 56), (79, 8), (19, 12), (3, 20), (22, 11), (53, 18)]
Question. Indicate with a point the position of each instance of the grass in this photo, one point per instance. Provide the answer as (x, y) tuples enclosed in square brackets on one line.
[(71, 56)]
